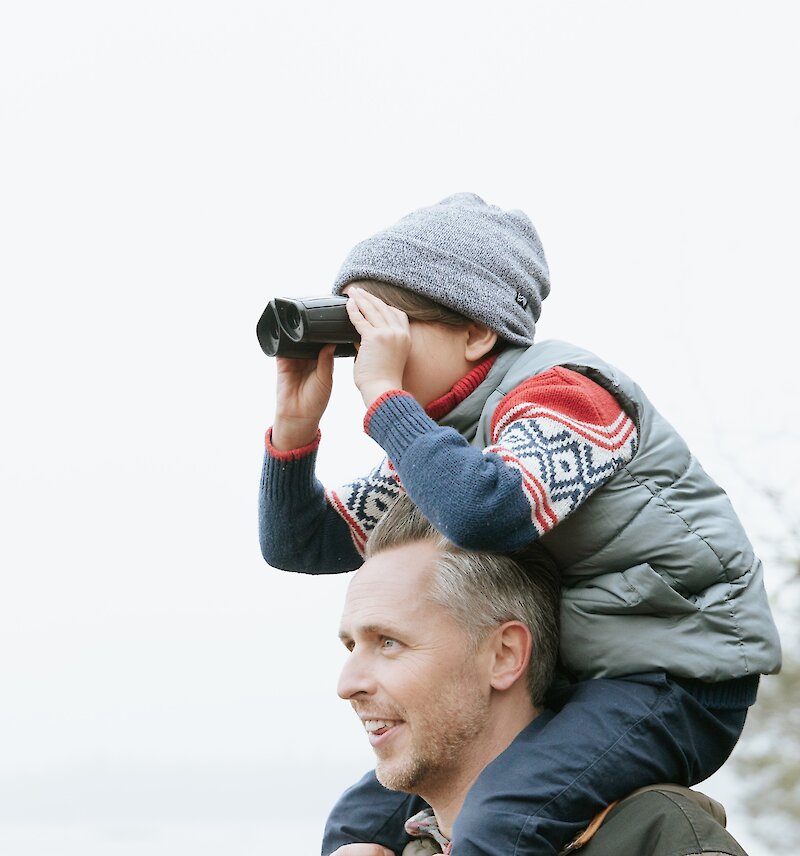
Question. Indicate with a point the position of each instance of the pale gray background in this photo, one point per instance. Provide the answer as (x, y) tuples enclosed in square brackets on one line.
[(165, 168)]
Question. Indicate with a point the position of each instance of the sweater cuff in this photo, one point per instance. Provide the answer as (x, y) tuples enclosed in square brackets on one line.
[(291, 454), (734, 694), (289, 474), (390, 393), (395, 420)]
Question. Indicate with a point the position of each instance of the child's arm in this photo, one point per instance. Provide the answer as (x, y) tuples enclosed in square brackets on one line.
[(556, 439), (299, 529), (303, 527)]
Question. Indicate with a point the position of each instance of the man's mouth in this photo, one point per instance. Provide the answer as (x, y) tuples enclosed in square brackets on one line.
[(377, 727)]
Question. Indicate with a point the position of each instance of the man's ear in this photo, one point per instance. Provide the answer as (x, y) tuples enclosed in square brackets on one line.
[(480, 340), (511, 653)]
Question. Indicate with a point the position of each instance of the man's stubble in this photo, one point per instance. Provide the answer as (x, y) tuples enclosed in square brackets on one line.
[(440, 739)]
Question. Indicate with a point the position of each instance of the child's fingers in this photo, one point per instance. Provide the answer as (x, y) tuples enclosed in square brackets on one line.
[(375, 311), (293, 367), (355, 314), (324, 364), (389, 314)]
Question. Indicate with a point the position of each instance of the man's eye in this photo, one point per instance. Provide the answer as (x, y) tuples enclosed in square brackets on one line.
[(386, 642)]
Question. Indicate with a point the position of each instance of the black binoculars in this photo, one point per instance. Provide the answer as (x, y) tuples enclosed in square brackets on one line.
[(299, 328)]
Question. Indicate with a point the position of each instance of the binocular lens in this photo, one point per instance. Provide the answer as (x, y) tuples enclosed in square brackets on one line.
[(268, 331), (273, 328), (290, 318), (300, 328)]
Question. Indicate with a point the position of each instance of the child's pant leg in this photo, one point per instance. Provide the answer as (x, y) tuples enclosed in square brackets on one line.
[(368, 812), (610, 737)]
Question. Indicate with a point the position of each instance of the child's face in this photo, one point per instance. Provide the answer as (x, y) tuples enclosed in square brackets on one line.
[(437, 360)]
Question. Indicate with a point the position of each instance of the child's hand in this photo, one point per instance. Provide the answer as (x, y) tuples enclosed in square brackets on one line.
[(385, 344), (304, 389)]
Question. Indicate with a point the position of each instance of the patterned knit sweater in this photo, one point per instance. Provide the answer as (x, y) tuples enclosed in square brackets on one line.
[(556, 438)]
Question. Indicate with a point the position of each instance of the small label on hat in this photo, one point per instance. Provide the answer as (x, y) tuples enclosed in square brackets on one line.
[(522, 300)]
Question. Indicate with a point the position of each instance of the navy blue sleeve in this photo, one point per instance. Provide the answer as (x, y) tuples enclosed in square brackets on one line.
[(298, 529), (471, 496)]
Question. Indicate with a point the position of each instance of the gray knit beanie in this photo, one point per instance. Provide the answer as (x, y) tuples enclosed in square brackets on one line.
[(483, 262)]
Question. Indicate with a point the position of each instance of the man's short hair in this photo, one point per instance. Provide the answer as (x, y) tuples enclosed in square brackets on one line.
[(483, 590)]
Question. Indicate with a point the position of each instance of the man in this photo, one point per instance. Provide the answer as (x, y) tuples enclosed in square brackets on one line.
[(451, 655)]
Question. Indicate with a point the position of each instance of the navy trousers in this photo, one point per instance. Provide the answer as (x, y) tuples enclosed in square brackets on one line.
[(597, 741)]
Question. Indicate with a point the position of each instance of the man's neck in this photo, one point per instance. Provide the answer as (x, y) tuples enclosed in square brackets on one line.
[(447, 793)]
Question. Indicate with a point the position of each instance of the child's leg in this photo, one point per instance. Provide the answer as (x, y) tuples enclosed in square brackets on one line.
[(368, 812), (610, 737)]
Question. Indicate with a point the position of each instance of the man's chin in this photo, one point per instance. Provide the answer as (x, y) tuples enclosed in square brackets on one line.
[(399, 776)]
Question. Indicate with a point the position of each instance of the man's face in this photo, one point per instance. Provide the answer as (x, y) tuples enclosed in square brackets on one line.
[(412, 677)]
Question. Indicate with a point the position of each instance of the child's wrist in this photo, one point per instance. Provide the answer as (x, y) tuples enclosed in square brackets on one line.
[(290, 434), (370, 393)]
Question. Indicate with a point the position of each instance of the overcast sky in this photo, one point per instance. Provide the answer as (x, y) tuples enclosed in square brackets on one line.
[(167, 167)]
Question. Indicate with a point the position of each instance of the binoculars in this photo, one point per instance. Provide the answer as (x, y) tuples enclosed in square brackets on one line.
[(299, 328)]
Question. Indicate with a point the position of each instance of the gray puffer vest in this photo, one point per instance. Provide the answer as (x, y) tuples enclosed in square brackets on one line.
[(658, 572)]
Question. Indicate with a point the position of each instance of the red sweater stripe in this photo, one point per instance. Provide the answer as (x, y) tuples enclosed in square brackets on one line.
[(543, 513), (603, 436)]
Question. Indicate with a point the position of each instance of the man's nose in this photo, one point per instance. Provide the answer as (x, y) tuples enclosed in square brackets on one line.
[(356, 676)]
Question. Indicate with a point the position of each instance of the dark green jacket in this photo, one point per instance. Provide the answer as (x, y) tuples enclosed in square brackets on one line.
[(663, 821)]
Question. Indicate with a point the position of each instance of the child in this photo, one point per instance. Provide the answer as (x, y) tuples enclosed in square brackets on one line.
[(499, 441)]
